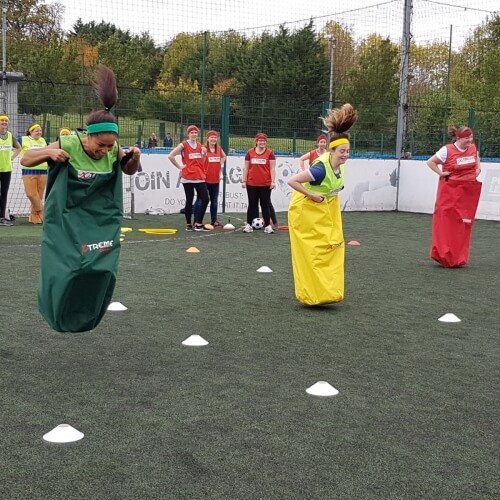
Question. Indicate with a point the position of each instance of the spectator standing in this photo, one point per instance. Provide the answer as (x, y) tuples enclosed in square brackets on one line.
[(168, 141), (193, 176), (315, 153), (153, 141), (35, 177), (9, 149), (214, 160), (259, 177)]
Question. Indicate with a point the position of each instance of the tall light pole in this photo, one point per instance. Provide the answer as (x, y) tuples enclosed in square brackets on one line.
[(4, 57), (333, 46)]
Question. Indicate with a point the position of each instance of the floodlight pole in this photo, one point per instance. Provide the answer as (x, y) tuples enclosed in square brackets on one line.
[(4, 56), (333, 46)]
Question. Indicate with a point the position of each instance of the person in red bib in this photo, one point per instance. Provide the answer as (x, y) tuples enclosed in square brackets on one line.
[(458, 166), (315, 153), (193, 176), (214, 160), (259, 176)]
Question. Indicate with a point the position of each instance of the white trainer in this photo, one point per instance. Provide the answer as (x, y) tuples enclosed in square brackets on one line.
[(269, 229), (248, 228)]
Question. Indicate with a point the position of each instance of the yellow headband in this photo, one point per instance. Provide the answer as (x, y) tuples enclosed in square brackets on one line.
[(4, 117), (65, 131), (338, 142), (33, 127)]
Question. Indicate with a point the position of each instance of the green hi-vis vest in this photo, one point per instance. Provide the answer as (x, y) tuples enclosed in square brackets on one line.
[(333, 182), (6, 147), (81, 239), (28, 142), (82, 161)]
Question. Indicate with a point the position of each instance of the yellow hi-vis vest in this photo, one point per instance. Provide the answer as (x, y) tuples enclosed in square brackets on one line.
[(6, 147), (28, 142), (333, 182)]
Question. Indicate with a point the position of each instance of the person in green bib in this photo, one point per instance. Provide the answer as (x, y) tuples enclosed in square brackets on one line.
[(314, 217), (83, 214), (9, 149), (34, 178)]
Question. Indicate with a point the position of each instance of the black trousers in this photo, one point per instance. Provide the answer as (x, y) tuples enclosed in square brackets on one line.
[(259, 195), (4, 191), (201, 194)]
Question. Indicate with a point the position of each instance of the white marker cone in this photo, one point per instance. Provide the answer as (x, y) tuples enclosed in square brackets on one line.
[(195, 340), (449, 318), (264, 269), (322, 388), (229, 227), (117, 306), (63, 433)]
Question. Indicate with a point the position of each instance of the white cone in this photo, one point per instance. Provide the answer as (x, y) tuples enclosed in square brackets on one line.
[(229, 227), (264, 269), (63, 433), (117, 306), (195, 340), (322, 388), (449, 318)]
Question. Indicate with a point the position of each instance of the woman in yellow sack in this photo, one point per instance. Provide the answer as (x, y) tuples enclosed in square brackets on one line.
[(314, 220)]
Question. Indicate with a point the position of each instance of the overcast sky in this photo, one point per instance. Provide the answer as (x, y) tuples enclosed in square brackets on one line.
[(163, 19)]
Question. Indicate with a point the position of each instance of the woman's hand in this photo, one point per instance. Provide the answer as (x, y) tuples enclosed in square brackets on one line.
[(273, 185), (317, 198), (58, 155), (136, 152), (444, 173)]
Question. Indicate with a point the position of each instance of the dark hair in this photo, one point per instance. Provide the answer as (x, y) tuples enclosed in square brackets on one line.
[(105, 87), (454, 131), (339, 121)]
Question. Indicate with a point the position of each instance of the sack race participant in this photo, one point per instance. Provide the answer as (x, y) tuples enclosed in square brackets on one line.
[(83, 215), (457, 198), (314, 217)]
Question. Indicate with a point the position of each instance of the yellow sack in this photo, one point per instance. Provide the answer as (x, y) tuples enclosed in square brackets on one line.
[(317, 244)]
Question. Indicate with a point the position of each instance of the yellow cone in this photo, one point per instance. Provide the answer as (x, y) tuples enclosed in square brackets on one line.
[(192, 250)]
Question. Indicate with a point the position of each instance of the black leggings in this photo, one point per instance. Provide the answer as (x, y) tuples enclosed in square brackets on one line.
[(256, 195), (201, 194), (4, 190)]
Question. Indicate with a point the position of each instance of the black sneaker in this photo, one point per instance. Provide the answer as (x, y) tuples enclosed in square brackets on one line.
[(189, 227), (201, 227), (6, 222)]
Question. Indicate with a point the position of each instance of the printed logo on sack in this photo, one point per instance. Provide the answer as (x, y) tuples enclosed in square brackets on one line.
[(85, 175), (102, 246)]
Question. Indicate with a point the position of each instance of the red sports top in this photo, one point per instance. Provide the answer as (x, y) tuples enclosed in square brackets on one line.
[(213, 165), (461, 164), (313, 155), (259, 170), (194, 162)]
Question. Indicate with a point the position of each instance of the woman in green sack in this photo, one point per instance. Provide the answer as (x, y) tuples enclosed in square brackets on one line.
[(83, 215)]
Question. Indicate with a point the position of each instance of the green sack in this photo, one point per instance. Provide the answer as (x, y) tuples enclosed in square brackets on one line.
[(80, 246)]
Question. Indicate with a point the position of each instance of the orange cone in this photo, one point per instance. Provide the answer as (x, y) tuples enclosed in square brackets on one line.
[(354, 243), (192, 250)]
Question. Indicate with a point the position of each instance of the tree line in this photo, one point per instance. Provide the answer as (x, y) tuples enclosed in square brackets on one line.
[(277, 81)]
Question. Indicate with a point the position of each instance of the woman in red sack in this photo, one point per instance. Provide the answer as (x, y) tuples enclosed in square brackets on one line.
[(457, 198)]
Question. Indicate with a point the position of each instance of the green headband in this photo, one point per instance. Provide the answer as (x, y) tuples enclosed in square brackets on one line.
[(95, 128)]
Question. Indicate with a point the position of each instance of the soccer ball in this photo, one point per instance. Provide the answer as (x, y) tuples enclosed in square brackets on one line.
[(258, 223)]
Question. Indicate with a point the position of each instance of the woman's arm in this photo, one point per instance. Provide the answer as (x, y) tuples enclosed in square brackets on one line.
[(245, 174), (53, 152), (176, 151), (433, 163), (17, 148), (296, 182), (272, 169), (130, 161), (302, 159)]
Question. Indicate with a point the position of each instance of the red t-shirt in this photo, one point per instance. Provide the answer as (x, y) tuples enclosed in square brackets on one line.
[(194, 162), (259, 170), (461, 164), (213, 165), (312, 156)]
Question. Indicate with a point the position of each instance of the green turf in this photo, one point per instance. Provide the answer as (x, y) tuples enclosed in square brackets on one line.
[(417, 412)]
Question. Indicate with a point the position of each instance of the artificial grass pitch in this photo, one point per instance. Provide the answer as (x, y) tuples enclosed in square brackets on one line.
[(417, 409)]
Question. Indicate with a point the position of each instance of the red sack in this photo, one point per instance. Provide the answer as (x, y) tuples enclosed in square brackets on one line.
[(456, 205)]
